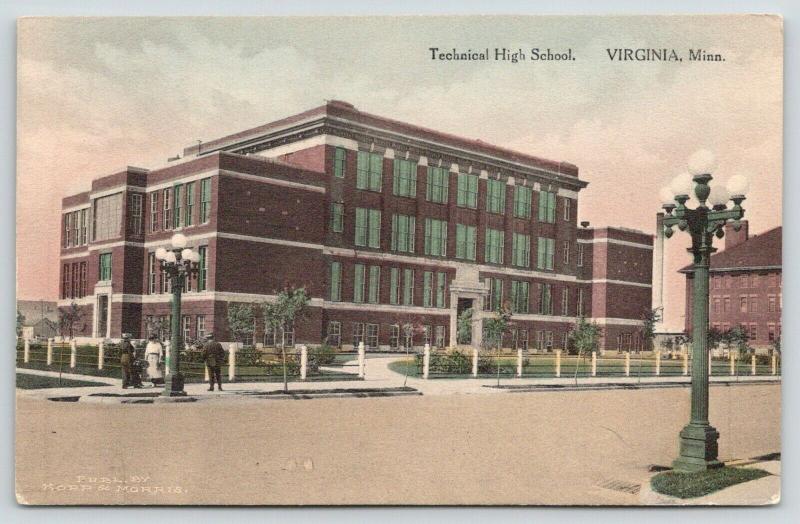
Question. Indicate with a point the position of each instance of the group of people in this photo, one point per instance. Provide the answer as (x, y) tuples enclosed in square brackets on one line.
[(154, 357)]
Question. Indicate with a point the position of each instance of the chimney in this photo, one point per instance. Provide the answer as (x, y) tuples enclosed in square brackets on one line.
[(733, 237)]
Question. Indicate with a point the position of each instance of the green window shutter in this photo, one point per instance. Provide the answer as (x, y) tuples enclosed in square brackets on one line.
[(394, 288), (336, 281), (337, 217), (461, 193), (339, 162), (441, 283), (374, 284), (551, 251), (177, 193), (427, 289), (374, 228), (361, 227), (496, 197), (551, 209), (471, 242), (205, 200), (428, 248), (522, 202), (460, 241), (362, 170), (514, 292), (540, 253), (438, 180), (473, 191), (494, 246), (189, 203), (467, 191), (395, 233), (358, 287), (375, 172)]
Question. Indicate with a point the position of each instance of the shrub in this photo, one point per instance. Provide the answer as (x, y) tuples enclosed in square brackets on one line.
[(322, 355)]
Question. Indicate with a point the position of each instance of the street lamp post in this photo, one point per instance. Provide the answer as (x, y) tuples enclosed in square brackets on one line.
[(178, 263), (698, 439)]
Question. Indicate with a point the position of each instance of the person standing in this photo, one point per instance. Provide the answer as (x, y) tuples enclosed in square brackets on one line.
[(214, 356), (126, 357), (153, 354)]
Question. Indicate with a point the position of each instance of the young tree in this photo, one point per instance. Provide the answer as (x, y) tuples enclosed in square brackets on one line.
[(494, 328), (739, 338), (290, 305), (68, 319), (241, 321), (650, 318), (586, 336), (464, 327)]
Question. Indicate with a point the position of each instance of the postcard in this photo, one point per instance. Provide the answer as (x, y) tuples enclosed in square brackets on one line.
[(399, 260)]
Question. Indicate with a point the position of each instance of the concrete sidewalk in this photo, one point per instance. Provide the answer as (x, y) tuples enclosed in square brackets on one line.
[(378, 375)]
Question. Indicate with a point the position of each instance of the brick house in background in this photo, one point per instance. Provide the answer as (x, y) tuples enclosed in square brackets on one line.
[(384, 223), (745, 285)]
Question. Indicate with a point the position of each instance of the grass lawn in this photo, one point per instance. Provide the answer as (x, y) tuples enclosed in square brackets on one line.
[(25, 381), (691, 485), (399, 366)]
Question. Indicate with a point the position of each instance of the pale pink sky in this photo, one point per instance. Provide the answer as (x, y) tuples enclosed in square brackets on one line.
[(97, 94)]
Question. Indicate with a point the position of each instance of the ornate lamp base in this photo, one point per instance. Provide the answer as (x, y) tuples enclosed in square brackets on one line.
[(173, 386), (698, 449)]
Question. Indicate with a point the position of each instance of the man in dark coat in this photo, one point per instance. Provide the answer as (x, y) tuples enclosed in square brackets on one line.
[(126, 357), (214, 356)]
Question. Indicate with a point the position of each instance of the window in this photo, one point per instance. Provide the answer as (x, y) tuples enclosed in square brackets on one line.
[(368, 227), (546, 299), (336, 281), (567, 208), (467, 191), (403, 227), (154, 211), (105, 266), (496, 196), (441, 289), (358, 283), (107, 216), (167, 208), (753, 331), (151, 273), (67, 229), (438, 181), (339, 162), (178, 207), (202, 272), (65, 281), (522, 201), (189, 218), (334, 335), (373, 296), (369, 171), (408, 287), (427, 288), (547, 206), (394, 286), (519, 296), (565, 248), (716, 305), (269, 336), (394, 336), (426, 335), (337, 217), (494, 246), (200, 326), (435, 237), (205, 200), (405, 178), (135, 214), (580, 311), (580, 255), (74, 281), (76, 228), (545, 253), (743, 280), (287, 334), (186, 324), (743, 304), (465, 242), (753, 304), (771, 332), (166, 285), (372, 336), (495, 298), (521, 339), (439, 339), (82, 283), (521, 250), (408, 336), (726, 304), (84, 226), (565, 302), (771, 303)]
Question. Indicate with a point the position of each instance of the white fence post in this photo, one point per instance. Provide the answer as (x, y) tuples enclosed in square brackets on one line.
[(753, 365), (474, 362), (426, 360), (733, 364), (774, 364), (685, 363), (101, 354), (594, 363), (361, 360), (166, 357), (206, 375), (73, 353), (519, 363), (558, 363), (627, 363), (26, 355), (232, 350), (303, 361), (50, 351), (658, 363)]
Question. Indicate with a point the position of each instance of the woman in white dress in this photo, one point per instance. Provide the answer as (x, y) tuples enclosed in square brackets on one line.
[(153, 354)]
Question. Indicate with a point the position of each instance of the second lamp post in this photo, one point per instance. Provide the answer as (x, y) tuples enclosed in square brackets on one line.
[(178, 264)]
